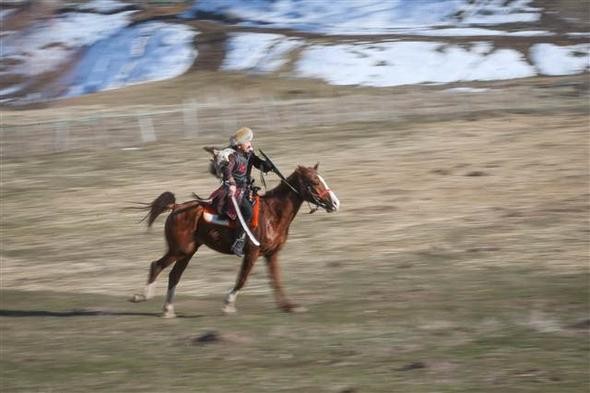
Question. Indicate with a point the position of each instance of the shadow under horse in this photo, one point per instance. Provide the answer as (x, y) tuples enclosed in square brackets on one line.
[(186, 230)]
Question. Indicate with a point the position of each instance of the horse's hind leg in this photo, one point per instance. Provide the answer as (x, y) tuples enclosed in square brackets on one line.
[(173, 279), (156, 268)]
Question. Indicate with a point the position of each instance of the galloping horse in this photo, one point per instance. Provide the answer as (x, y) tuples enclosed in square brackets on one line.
[(186, 230)]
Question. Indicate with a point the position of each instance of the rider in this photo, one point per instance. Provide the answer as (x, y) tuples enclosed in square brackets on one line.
[(237, 180)]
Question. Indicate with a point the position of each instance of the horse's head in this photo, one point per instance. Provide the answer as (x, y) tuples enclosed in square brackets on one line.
[(314, 189)]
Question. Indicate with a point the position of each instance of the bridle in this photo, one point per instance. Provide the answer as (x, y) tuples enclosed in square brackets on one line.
[(318, 201), (316, 198)]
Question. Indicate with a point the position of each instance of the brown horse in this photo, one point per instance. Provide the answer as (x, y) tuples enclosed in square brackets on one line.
[(186, 230)]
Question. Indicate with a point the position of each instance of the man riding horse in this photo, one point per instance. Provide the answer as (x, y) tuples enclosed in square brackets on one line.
[(237, 182), (187, 227)]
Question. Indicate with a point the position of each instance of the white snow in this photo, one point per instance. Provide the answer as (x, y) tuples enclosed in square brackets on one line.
[(467, 90), (412, 62), (530, 33), (10, 90), (367, 16), (103, 6), (258, 52), (48, 44), (116, 54), (551, 59), (4, 13), (500, 64), (146, 52), (471, 31), (495, 12)]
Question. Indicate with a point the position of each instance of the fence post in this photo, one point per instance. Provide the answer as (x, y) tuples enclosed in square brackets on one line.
[(270, 112), (190, 117), (146, 127), (229, 122), (62, 131)]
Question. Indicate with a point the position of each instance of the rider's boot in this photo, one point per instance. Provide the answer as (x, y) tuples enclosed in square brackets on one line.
[(238, 247)]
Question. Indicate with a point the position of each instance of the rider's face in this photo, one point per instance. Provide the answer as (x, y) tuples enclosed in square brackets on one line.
[(245, 147)]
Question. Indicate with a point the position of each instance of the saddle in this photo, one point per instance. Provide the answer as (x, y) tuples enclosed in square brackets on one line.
[(212, 216)]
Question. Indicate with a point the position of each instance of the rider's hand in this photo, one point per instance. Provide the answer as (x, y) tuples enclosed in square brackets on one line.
[(232, 190)]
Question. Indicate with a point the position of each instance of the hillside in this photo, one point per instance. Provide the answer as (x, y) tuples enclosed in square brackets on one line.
[(85, 47)]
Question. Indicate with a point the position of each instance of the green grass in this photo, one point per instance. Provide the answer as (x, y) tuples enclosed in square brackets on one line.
[(472, 331)]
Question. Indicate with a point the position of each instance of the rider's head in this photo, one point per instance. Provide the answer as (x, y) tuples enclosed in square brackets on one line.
[(242, 139)]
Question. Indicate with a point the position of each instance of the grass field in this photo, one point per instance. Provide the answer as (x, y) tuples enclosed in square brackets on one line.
[(459, 261)]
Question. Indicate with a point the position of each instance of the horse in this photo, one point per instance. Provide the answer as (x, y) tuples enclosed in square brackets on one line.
[(186, 230)]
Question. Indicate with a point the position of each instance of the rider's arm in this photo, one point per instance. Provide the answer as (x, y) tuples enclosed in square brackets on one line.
[(228, 178)]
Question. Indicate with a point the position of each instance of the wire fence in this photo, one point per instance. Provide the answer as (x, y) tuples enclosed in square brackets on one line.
[(79, 128)]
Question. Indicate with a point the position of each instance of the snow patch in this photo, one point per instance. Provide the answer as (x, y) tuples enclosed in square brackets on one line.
[(258, 52), (467, 90), (551, 59), (10, 90), (473, 31), (495, 12), (412, 62), (49, 44), (104, 6), (5, 13), (366, 16), (147, 52)]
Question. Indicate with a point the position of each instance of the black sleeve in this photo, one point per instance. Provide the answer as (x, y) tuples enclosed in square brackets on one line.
[(260, 164)]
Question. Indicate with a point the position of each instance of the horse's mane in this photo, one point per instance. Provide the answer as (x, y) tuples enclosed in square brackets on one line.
[(282, 189)]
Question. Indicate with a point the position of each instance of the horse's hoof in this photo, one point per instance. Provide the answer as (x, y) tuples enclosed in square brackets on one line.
[(168, 315), (137, 298), (298, 309), (229, 309)]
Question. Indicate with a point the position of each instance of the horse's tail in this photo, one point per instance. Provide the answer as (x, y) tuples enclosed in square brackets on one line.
[(166, 201)]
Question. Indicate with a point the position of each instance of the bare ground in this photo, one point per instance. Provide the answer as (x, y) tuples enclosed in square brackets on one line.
[(459, 261)]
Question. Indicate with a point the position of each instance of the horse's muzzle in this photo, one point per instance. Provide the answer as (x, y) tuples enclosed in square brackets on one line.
[(333, 206)]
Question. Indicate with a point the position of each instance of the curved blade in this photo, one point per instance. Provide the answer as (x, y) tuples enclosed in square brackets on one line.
[(243, 222)]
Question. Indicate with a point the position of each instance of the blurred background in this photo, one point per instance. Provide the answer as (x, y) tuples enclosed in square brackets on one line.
[(454, 132)]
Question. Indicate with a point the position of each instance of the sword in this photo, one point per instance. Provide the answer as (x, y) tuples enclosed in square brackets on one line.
[(243, 222)]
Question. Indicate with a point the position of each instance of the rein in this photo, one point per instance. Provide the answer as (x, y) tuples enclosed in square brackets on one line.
[(277, 172)]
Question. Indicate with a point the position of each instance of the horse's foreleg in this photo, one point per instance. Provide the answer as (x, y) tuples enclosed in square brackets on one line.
[(250, 258), (156, 268), (173, 279), (276, 283)]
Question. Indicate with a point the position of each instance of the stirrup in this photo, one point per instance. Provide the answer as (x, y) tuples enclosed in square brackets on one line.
[(238, 247)]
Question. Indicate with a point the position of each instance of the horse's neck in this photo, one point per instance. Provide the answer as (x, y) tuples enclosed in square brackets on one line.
[(283, 203)]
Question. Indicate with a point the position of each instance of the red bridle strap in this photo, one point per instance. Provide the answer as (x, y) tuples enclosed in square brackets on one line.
[(323, 193)]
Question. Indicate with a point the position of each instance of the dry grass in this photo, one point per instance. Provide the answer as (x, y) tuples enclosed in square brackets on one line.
[(459, 261)]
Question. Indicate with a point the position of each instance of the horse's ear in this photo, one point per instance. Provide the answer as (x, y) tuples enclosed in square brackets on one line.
[(316, 166)]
